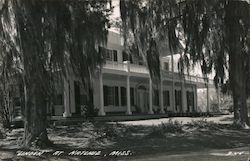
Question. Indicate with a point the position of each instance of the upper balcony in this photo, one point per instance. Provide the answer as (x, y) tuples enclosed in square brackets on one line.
[(135, 70)]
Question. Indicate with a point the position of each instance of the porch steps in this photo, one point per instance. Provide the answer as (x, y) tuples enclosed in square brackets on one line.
[(128, 117), (122, 117)]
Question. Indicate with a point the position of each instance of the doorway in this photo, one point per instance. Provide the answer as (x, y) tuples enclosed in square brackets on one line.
[(142, 99)]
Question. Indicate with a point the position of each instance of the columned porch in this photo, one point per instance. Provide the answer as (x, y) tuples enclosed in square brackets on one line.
[(129, 90), (129, 93)]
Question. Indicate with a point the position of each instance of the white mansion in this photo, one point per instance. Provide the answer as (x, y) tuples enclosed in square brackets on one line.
[(123, 86)]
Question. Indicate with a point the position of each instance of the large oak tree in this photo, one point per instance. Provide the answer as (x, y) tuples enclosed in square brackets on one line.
[(42, 38), (214, 34)]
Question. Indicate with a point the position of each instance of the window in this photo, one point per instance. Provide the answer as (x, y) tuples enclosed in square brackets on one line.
[(178, 99), (140, 60), (110, 96), (108, 54), (126, 57), (123, 96), (156, 97), (115, 55), (59, 99), (190, 100), (166, 99), (166, 66), (84, 99)]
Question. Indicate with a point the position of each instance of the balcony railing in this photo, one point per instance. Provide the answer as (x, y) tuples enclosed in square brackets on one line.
[(138, 69), (115, 66), (134, 68)]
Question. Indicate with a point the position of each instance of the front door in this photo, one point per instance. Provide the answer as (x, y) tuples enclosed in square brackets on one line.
[(190, 101), (178, 101)]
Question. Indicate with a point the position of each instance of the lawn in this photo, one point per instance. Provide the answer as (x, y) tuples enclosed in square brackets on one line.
[(163, 139)]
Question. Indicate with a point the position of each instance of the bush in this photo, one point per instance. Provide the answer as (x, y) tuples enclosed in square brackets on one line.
[(172, 126), (2, 134), (89, 111), (111, 131), (165, 128), (203, 124)]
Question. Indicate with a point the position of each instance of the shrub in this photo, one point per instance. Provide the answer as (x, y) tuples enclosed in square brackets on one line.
[(203, 124), (2, 135), (111, 131), (172, 126), (165, 128)]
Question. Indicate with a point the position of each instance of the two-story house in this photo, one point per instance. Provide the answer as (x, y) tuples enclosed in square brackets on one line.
[(123, 86)]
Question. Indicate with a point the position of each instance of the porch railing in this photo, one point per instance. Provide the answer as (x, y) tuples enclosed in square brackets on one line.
[(115, 66), (134, 68)]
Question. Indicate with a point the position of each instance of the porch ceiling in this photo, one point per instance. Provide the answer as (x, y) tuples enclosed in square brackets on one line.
[(109, 76)]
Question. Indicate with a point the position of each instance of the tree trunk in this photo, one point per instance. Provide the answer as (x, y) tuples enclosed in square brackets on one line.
[(35, 122), (237, 58), (238, 84)]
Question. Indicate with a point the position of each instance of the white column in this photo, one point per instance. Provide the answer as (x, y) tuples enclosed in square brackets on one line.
[(208, 101), (66, 96), (161, 97), (150, 111), (72, 95), (183, 95), (128, 112), (101, 110)]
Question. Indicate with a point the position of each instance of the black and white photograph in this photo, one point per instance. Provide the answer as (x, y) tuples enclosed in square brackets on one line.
[(124, 80)]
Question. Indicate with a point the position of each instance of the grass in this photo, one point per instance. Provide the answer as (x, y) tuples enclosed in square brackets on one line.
[(171, 138)]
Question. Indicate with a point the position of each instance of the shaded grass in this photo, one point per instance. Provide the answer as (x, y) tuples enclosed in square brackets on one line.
[(171, 137)]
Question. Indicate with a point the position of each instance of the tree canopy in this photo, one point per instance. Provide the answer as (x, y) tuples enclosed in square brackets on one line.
[(42, 38), (214, 34)]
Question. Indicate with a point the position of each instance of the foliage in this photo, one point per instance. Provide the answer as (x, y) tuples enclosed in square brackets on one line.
[(214, 34), (117, 131), (170, 127), (5, 103), (111, 131), (89, 110), (2, 134), (4, 112), (42, 38), (226, 103), (203, 124), (145, 24)]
